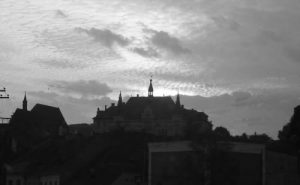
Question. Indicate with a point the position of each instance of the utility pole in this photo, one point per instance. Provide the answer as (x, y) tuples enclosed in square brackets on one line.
[(6, 96)]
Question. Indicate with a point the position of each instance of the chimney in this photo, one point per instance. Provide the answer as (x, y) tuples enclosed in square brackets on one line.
[(112, 104), (105, 107), (137, 95)]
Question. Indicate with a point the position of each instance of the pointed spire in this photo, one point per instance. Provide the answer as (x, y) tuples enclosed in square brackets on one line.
[(150, 89), (178, 100), (120, 101), (25, 102)]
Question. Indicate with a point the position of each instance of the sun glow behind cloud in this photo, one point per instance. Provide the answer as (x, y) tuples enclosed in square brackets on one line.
[(49, 38)]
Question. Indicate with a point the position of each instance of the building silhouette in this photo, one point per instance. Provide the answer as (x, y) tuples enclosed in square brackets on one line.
[(158, 115), (29, 127)]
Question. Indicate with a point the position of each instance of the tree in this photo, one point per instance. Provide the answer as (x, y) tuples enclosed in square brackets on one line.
[(221, 133), (291, 131), (260, 138)]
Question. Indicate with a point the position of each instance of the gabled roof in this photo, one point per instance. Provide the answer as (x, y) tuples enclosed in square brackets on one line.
[(184, 146), (30, 126), (49, 113), (162, 107)]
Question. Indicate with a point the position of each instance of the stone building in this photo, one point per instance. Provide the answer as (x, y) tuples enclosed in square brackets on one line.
[(158, 115)]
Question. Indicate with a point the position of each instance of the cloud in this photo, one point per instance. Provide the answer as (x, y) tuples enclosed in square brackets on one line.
[(240, 111), (226, 23), (82, 87), (148, 52), (165, 41), (236, 44), (271, 35), (49, 96), (106, 37), (293, 52), (240, 97), (60, 14), (60, 64), (69, 105)]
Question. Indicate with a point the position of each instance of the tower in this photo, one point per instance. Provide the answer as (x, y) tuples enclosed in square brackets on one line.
[(150, 89), (120, 101), (177, 101), (25, 103)]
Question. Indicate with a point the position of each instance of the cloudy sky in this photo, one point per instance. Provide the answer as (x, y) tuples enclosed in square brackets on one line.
[(236, 60)]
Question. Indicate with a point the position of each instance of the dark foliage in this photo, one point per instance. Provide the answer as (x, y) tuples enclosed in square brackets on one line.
[(290, 133)]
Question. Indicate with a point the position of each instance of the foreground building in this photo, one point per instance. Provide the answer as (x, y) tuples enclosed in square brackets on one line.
[(172, 163), (158, 115)]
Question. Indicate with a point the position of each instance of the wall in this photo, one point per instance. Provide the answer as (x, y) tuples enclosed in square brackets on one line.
[(50, 180), (281, 169), (14, 180)]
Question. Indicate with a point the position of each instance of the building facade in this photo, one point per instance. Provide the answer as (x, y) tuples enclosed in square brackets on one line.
[(158, 115)]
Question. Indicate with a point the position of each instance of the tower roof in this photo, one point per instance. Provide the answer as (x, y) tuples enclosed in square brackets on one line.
[(178, 100), (150, 89), (120, 101), (25, 99)]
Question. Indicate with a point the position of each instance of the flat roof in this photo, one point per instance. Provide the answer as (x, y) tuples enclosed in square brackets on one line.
[(184, 146)]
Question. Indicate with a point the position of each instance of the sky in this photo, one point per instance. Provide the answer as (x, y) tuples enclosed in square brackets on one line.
[(236, 60)]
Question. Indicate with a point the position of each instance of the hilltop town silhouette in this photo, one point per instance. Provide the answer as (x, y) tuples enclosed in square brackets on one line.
[(151, 140)]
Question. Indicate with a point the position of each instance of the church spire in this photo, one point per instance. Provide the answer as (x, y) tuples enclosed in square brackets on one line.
[(25, 103), (150, 89), (120, 101), (178, 100)]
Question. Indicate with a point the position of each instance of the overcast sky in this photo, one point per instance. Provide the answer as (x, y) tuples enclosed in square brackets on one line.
[(236, 60)]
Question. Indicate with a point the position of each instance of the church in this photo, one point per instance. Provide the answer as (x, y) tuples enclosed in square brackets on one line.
[(158, 115), (29, 127)]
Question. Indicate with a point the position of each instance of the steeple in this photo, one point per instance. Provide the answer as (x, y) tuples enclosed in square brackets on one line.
[(178, 100), (25, 103), (150, 89), (120, 101)]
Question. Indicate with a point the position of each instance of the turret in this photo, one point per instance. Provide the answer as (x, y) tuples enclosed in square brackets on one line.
[(120, 101), (150, 89), (25, 103), (178, 101)]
